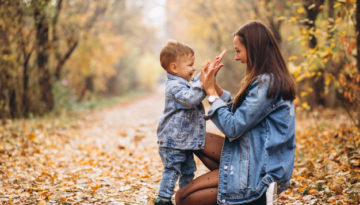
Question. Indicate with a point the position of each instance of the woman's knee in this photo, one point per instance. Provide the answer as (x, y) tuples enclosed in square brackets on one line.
[(179, 197)]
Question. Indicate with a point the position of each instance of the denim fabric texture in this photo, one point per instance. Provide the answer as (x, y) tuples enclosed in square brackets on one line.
[(176, 163), (259, 143), (182, 125)]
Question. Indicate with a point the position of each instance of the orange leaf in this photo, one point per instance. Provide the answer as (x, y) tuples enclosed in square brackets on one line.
[(94, 188)]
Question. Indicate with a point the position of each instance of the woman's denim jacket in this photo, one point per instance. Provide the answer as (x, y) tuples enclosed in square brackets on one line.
[(259, 143), (182, 125)]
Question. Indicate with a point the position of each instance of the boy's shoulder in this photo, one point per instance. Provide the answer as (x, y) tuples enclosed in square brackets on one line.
[(173, 86), (176, 81)]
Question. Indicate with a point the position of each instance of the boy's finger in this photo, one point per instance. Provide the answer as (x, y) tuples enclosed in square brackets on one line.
[(206, 66)]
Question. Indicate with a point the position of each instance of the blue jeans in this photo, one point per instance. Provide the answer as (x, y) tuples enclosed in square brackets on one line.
[(176, 163)]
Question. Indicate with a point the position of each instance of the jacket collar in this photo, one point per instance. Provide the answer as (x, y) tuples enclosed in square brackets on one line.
[(177, 78)]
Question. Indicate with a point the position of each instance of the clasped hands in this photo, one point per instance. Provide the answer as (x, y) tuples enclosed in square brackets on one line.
[(208, 76)]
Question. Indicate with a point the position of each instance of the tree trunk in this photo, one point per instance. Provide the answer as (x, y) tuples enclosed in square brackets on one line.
[(42, 49), (331, 66), (312, 10), (357, 31), (275, 27)]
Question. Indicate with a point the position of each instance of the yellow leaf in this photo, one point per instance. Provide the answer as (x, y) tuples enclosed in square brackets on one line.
[(299, 78), (300, 10), (292, 58), (303, 94), (305, 105), (293, 19), (290, 38), (337, 5), (281, 18), (327, 79)]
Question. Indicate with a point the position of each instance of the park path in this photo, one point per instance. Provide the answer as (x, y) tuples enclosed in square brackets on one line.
[(109, 157)]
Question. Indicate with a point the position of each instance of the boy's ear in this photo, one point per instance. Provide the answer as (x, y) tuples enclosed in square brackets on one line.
[(172, 68)]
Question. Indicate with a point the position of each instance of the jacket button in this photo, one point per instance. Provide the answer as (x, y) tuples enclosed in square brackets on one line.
[(223, 201), (225, 167)]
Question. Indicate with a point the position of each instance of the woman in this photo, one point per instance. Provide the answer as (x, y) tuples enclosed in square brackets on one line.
[(258, 124)]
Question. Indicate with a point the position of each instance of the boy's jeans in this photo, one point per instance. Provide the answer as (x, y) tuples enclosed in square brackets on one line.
[(176, 162)]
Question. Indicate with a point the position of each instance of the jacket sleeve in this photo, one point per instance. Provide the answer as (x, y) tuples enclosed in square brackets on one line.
[(226, 96), (189, 97), (247, 115)]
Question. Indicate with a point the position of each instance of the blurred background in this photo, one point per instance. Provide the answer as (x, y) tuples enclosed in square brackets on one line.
[(56, 53)]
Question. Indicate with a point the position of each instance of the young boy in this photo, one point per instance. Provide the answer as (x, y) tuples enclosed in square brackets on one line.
[(182, 126)]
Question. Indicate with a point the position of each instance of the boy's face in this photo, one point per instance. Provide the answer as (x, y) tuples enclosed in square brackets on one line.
[(184, 67)]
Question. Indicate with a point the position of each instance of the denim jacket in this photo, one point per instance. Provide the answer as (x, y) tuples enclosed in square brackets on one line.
[(182, 125), (259, 143)]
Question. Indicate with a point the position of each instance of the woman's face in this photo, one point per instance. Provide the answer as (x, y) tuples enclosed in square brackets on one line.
[(240, 50)]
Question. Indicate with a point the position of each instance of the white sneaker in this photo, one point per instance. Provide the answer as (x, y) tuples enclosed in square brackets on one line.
[(271, 194)]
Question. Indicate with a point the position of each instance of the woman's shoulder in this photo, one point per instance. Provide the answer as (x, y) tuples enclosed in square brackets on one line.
[(261, 80)]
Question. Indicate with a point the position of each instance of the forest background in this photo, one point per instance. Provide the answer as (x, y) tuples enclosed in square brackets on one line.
[(59, 55), (55, 53)]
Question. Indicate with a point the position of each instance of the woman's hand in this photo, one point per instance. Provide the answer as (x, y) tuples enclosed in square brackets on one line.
[(209, 83), (217, 60), (209, 73)]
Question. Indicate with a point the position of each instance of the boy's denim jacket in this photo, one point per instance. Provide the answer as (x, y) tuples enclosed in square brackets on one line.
[(182, 125), (259, 143)]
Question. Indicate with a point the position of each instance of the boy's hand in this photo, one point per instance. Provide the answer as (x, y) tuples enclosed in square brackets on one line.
[(204, 71)]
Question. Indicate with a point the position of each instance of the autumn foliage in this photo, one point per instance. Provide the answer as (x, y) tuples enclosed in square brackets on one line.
[(55, 54)]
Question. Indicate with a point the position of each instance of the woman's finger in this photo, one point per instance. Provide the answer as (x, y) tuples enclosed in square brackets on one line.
[(219, 58)]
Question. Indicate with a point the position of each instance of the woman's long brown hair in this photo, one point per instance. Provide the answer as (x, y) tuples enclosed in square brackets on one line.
[(264, 57)]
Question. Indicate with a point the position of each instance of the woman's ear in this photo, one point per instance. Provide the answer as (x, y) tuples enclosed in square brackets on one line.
[(172, 68)]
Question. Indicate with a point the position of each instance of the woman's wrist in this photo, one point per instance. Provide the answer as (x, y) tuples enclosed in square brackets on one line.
[(211, 93)]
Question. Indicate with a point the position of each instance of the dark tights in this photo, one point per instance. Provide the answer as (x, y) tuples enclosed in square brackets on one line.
[(203, 190)]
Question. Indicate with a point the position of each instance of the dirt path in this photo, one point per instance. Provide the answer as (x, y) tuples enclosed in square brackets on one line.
[(110, 157)]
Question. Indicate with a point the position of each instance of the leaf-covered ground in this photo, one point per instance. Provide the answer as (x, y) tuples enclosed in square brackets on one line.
[(109, 156)]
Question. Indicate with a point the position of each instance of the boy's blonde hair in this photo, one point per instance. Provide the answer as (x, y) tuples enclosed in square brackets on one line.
[(172, 50)]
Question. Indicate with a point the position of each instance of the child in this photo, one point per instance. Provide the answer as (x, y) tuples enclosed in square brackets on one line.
[(181, 128)]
